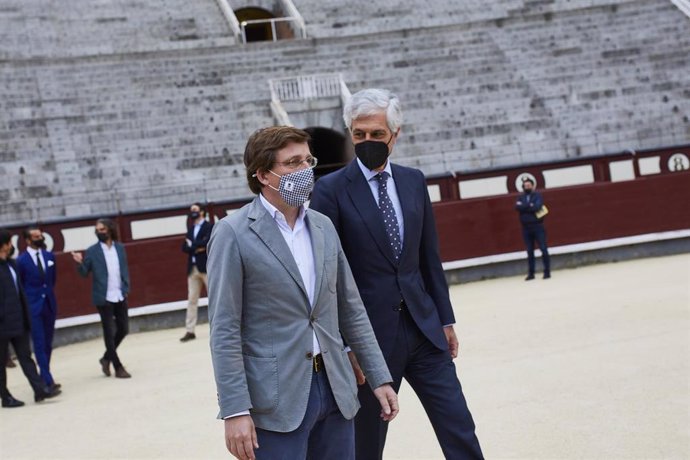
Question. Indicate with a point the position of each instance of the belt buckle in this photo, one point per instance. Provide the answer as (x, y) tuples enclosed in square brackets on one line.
[(318, 363)]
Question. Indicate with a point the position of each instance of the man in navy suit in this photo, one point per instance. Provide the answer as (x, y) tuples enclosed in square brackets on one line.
[(194, 245), (15, 327), (37, 271), (107, 261), (383, 215), (533, 231)]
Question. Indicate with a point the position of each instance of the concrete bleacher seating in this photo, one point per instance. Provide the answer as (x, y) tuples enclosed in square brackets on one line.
[(145, 123)]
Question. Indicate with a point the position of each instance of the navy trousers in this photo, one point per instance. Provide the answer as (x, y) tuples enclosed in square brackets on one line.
[(23, 351), (42, 331), (431, 374), (532, 234), (323, 434)]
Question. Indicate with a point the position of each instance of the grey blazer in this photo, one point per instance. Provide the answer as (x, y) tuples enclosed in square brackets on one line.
[(262, 322)]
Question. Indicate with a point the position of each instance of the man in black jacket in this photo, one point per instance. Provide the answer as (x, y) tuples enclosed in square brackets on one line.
[(528, 204), (194, 245), (15, 328)]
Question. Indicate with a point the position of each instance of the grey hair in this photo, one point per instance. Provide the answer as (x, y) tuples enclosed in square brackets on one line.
[(371, 101)]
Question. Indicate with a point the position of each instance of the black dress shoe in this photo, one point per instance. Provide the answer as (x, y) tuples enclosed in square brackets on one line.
[(188, 336), (529, 277), (55, 386), (547, 275), (11, 402), (105, 366), (121, 373), (45, 393)]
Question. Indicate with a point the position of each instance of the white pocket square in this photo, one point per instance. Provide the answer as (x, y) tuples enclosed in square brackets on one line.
[(51, 263)]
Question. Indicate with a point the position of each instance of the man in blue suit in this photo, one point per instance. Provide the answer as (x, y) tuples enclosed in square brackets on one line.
[(383, 215), (107, 261), (37, 270)]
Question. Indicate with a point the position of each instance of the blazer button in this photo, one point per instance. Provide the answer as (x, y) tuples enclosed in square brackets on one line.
[(309, 356), (312, 319)]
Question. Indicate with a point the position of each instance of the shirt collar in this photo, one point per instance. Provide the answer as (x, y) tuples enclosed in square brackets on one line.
[(105, 246), (275, 213), (32, 251), (369, 174)]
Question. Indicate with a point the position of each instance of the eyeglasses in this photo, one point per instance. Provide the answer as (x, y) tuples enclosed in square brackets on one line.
[(296, 162)]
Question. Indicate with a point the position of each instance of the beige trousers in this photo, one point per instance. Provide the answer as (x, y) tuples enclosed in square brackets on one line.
[(194, 282)]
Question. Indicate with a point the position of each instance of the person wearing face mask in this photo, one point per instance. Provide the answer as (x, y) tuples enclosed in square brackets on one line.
[(383, 215), (533, 231), (198, 233), (107, 262), (37, 271), (15, 325), (280, 295)]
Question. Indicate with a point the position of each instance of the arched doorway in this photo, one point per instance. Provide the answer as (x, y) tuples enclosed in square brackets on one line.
[(333, 149), (262, 31)]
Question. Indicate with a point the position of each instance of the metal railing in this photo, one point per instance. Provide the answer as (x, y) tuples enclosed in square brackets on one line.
[(272, 21), (292, 12), (307, 87)]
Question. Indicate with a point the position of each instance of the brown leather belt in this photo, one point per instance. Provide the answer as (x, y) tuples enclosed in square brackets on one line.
[(318, 363)]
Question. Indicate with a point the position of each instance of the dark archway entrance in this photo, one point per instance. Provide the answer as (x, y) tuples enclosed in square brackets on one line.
[(255, 32), (333, 149), (262, 31)]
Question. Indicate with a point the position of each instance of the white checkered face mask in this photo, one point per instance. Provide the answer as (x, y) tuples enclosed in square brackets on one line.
[(295, 188)]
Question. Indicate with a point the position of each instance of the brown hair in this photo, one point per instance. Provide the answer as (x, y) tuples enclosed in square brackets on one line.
[(111, 226), (261, 149)]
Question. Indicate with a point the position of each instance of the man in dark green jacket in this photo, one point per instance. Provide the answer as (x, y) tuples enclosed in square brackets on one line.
[(107, 261)]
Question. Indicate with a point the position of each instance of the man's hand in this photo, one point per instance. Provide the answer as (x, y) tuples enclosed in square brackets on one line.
[(452, 339), (189, 242), (198, 250), (359, 375), (388, 400), (77, 257), (240, 437)]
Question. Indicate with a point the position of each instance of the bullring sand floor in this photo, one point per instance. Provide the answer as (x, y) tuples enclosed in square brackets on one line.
[(593, 363)]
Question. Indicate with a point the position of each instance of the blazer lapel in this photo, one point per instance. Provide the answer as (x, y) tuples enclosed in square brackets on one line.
[(318, 244), (363, 200), (266, 229)]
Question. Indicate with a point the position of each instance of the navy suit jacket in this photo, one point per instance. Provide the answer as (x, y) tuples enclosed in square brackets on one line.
[(530, 203), (14, 314), (39, 289), (94, 261), (201, 241), (417, 278)]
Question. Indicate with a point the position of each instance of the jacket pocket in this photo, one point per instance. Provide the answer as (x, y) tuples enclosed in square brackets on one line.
[(262, 380)]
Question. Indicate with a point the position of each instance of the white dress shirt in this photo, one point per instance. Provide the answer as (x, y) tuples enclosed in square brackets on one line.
[(14, 277), (195, 232), (114, 289), (37, 252), (373, 182)]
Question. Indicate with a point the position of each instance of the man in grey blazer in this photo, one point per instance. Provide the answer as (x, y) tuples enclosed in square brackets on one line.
[(281, 301), (107, 261)]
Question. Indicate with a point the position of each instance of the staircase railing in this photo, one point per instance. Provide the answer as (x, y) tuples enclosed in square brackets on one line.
[(683, 5), (305, 87), (230, 17)]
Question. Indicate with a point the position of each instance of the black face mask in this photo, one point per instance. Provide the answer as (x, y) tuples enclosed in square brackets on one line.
[(372, 154), (39, 244), (194, 215), (528, 191), (102, 237)]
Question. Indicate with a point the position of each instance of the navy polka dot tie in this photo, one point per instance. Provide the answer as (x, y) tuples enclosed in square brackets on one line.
[(389, 218)]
